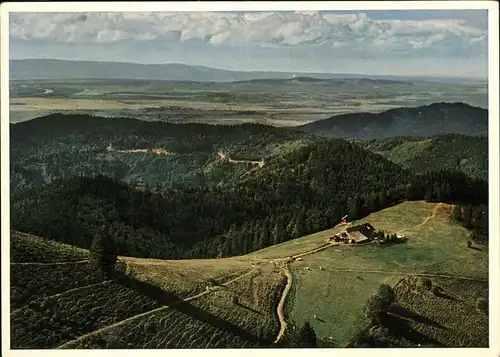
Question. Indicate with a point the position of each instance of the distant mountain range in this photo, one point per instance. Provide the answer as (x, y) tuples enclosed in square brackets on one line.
[(434, 119), (63, 69)]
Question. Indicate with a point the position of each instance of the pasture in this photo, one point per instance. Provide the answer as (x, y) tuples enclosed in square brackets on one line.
[(335, 283)]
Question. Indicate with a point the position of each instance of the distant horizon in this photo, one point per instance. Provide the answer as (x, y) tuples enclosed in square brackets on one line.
[(418, 43), (436, 76)]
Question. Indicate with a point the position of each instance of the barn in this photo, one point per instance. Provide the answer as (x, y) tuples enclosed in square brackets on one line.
[(361, 233)]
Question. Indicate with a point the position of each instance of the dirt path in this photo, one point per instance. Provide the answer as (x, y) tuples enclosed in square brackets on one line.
[(54, 263), (281, 304), (284, 265), (323, 247), (223, 156), (147, 313), (431, 216)]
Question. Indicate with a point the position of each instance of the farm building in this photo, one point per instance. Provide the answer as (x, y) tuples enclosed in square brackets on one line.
[(361, 233)]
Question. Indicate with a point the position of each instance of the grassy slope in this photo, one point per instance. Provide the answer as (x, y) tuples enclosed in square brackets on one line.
[(212, 321), (59, 302), (29, 248), (185, 277), (337, 297)]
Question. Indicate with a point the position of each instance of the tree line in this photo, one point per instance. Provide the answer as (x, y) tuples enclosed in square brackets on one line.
[(474, 218)]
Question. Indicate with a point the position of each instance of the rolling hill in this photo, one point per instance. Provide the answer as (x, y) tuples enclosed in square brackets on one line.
[(60, 146), (73, 174), (201, 222), (163, 304), (152, 303), (160, 155), (455, 152), (434, 119)]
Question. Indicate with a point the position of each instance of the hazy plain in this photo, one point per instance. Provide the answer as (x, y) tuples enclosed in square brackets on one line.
[(279, 102)]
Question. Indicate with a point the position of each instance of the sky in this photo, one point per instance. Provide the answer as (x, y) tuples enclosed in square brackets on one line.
[(378, 42)]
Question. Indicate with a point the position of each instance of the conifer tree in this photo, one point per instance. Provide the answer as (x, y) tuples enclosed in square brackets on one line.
[(353, 207), (467, 216), (456, 213), (264, 240), (103, 254), (307, 336), (299, 226), (382, 200)]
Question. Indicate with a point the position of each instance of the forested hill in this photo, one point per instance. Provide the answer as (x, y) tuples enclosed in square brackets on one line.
[(305, 190), (84, 129), (454, 152), (434, 119), (61, 146)]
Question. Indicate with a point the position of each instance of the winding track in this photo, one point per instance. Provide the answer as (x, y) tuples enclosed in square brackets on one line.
[(281, 304), (429, 217)]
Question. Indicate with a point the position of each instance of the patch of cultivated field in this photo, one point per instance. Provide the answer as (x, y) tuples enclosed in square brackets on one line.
[(450, 318), (240, 314), (183, 326), (152, 303), (36, 103), (44, 322)]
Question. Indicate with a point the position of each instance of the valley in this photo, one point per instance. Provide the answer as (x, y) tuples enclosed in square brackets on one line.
[(279, 102)]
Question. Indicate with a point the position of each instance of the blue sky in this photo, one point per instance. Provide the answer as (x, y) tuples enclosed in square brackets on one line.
[(477, 17), (395, 42)]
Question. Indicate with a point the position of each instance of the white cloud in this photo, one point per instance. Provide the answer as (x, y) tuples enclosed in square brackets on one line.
[(337, 31)]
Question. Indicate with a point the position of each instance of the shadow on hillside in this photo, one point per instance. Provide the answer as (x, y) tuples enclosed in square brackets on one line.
[(401, 328), (442, 294), (249, 308), (175, 302), (475, 248), (401, 311)]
